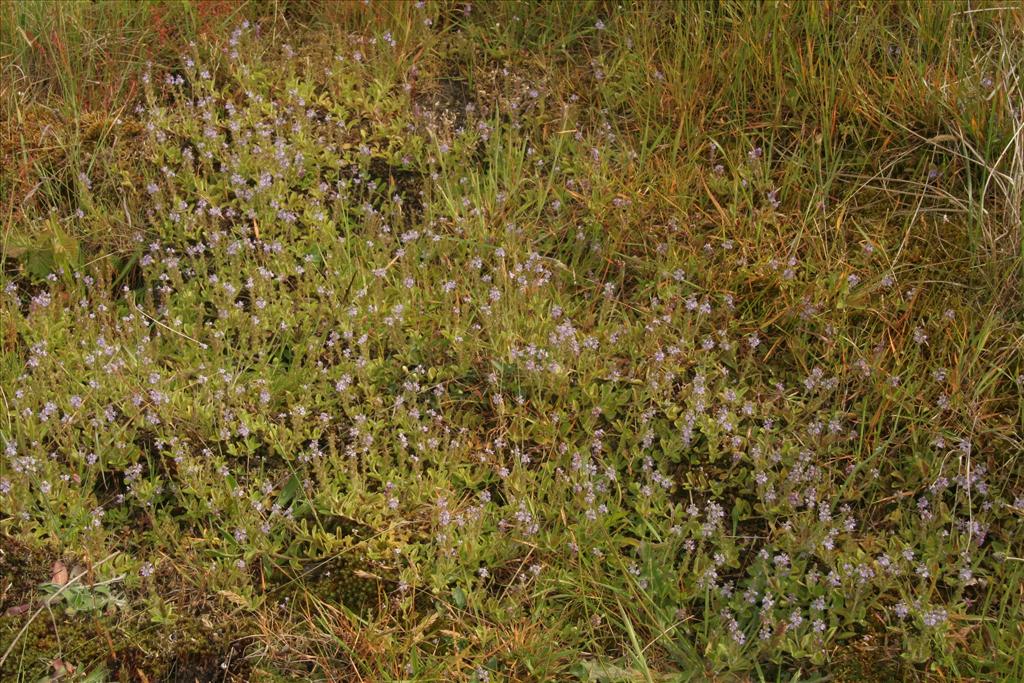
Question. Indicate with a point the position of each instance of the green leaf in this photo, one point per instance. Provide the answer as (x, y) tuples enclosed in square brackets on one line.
[(288, 492), (97, 675)]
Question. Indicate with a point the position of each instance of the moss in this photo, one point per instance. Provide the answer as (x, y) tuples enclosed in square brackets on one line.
[(124, 651), (77, 641), (23, 568), (342, 585)]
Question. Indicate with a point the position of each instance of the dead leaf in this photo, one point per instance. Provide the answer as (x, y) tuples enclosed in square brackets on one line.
[(59, 574), (365, 575), (61, 668), (235, 598), (16, 610)]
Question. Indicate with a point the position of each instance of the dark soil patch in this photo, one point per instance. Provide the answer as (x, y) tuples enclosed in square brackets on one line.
[(446, 97), (211, 663)]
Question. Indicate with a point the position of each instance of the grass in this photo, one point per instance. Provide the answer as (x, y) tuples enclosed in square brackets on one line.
[(502, 342)]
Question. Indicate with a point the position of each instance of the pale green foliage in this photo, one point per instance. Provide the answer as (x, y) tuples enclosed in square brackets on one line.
[(614, 343)]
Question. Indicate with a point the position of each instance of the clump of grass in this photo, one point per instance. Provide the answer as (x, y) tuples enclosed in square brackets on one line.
[(517, 343)]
